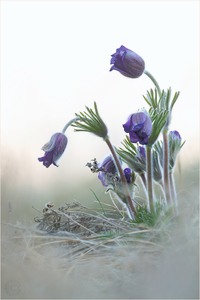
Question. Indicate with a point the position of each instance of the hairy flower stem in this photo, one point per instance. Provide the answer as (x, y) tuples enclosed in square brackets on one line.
[(143, 179), (144, 183), (150, 179), (166, 166), (126, 191), (70, 123), (173, 192), (154, 81), (165, 148)]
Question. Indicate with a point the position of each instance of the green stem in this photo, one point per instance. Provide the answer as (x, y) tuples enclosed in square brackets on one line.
[(70, 123), (126, 191), (154, 82), (166, 167), (150, 179)]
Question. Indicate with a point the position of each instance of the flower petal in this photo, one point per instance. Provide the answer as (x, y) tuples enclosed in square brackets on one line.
[(133, 137)]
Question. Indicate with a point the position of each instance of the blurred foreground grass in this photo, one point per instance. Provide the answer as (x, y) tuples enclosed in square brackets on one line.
[(159, 262)]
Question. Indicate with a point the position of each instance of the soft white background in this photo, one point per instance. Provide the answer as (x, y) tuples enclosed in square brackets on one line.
[(55, 59)]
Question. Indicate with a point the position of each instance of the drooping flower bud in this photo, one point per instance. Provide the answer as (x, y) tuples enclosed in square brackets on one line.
[(53, 149), (175, 144), (108, 173), (127, 62), (139, 127)]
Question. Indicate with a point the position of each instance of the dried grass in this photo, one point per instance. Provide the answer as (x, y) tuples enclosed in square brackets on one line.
[(77, 252)]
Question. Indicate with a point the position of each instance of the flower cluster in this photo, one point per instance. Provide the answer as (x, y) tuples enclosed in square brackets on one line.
[(149, 151)]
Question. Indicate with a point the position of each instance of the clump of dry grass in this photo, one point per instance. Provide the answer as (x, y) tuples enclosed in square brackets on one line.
[(88, 231), (78, 219)]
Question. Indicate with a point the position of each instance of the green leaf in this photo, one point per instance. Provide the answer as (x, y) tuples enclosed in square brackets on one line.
[(159, 122), (90, 121), (164, 103), (176, 95), (130, 156)]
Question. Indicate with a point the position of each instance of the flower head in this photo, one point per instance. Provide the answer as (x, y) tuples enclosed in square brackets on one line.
[(139, 127), (175, 136), (127, 62), (175, 144), (53, 149), (108, 171)]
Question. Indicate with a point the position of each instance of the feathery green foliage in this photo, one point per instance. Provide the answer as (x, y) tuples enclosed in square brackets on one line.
[(90, 121)]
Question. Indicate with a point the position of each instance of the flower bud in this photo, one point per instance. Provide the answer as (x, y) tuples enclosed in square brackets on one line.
[(175, 136), (127, 62), (175, 144), (53, 149), (108, 172), (129, 175), (139, 127)]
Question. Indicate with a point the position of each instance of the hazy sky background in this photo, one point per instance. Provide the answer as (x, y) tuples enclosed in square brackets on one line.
[(55, 59)]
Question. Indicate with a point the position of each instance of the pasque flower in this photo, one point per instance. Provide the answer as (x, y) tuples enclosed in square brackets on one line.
[(127, 62), (175, 144), (139, 127), (53, 149), (108, 172)]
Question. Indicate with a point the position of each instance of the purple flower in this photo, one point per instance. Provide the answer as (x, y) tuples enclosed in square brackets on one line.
[(128, 175), (139, 127), (127, 62), (53, 149), (108, 171), (175, 144), (175, 136)]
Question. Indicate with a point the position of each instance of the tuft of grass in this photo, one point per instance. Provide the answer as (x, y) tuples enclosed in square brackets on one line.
[(155, 218)]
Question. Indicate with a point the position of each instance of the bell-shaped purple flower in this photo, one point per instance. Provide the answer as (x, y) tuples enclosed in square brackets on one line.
[(139, 127), (108, 171), (127, 62), (53, 149)]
